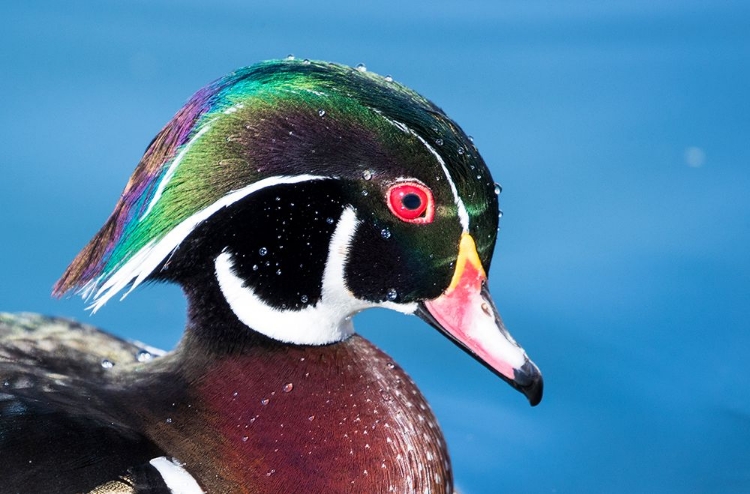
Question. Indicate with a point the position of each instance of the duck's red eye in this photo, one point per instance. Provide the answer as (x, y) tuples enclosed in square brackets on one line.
[(411, 202)]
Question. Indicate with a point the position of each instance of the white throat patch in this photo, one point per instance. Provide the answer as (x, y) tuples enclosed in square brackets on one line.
[(328, 321)]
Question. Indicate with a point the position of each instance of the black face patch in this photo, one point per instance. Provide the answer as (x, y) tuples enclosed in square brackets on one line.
[(278, 238)]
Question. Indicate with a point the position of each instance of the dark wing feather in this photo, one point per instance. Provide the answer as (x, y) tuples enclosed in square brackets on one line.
[(58, 434)]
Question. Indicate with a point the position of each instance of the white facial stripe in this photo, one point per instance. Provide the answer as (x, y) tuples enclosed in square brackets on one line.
[(463, 214), (328, 321), (172, 169), (143, 263), (178, 480)]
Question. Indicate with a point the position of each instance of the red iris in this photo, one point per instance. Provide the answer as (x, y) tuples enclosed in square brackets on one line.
[(411, 202)]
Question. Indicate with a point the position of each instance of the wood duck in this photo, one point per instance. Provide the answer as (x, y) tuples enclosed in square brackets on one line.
[(284, 198)]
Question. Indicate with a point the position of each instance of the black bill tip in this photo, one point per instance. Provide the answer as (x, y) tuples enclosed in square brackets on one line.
[(528, 380)]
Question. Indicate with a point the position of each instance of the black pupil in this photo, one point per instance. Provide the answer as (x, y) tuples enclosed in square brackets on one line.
[(411, 201)]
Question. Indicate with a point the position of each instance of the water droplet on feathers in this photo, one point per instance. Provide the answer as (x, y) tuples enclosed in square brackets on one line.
[(392, 294), (385, 233), (361, 67), (288, 387), (263, 251), (107, 364)]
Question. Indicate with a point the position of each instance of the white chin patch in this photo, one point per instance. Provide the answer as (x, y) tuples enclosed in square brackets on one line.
[(328, 321)]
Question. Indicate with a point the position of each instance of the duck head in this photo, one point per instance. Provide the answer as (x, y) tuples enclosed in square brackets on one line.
[(307, 192)]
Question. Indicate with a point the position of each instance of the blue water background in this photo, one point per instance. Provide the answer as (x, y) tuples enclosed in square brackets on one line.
[(620, 132)]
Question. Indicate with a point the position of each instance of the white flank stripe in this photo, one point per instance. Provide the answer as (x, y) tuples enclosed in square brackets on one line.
[(463, 214), (143, 262), (177, 478), (172, 169)]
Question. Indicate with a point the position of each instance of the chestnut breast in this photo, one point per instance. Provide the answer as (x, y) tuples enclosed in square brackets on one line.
[(336, 418)]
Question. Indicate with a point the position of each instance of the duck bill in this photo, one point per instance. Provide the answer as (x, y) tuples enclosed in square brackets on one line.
[(466, 313)]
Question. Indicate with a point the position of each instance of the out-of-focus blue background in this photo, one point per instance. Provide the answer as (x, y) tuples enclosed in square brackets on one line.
[(619, 130)]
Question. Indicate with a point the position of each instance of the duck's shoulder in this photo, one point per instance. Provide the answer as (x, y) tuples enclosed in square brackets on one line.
[(57, 433), (62, 346)]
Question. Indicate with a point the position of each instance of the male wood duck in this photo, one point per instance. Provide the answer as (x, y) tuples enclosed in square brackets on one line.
[(284, 198)]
